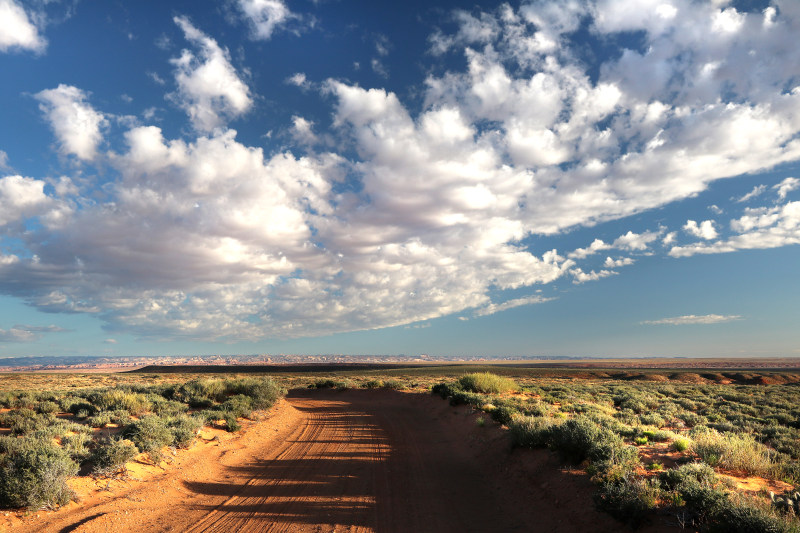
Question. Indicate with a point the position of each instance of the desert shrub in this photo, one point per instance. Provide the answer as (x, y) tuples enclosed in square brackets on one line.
[(184, 429), (530, 431), (200, 393), (34, 475), (736, 452), (150, 434), (76, 405), (120, 400), (487, 383), (164, 407), (503, 414), (47, 407), (263, 392), (372, 384), (628, 500), (580, 438), (76, 445), (692, 419), (394, 384), (110, 456), (24, 420), (689, 473), (652, 419), (100, 419), (238, 405), (329, 383), (231, 424), (681, 444)]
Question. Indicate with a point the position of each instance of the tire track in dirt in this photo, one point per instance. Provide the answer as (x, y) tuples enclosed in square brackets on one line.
[(316, 471)]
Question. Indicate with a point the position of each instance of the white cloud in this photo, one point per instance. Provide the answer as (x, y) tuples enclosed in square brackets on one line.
[(302, 131), (786, 186), (21, 198), (75, 123), (298, 79), (758, 190), (616, 263), (760, 228), (23, 333), (704, 230), (582, 277), (211, 238), (635, 241), (3, 160), (692, 319), (493, 308), (265, 16), (596, 246), (17, 30), (209, 88)]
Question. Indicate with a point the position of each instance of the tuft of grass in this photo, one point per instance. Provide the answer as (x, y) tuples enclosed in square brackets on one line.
[(738, 452), (487, 383)]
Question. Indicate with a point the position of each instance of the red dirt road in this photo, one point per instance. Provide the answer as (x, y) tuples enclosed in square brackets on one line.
[(354, 461)]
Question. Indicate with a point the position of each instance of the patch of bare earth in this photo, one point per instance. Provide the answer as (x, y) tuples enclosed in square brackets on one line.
[(354, 461)]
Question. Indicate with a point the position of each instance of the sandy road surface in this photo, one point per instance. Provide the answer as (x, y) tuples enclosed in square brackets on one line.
[(347, 461)]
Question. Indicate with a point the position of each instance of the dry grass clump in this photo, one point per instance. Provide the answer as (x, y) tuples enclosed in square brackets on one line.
[(487, 383), (737, 452)]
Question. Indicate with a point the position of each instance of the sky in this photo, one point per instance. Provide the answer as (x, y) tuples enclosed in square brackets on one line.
[(601, 178)]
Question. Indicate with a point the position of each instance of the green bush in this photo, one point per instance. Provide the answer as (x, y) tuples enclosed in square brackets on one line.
[(487, 383), (184, 430), (122, 400), (34, 476), (263, 392), (628, 500), (394, 384), (110, 456), (530, 431), (239, 406), (150, 435)]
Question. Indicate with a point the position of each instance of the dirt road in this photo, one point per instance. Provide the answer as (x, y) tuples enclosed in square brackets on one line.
[(347, 461)]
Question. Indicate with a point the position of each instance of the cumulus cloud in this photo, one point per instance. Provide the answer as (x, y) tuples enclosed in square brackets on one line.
[(616, 263), (493, 308), (786, 186), (596, 246), (635, 241), (265, 16), (582, 277), (76, 124), (692, 319), (759, 228), (21, 198), (432, 210), (209, 89), (704, 230), (17, 30)]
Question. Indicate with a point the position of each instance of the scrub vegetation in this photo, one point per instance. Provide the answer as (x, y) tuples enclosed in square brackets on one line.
[(698, 438), (657, 443), (46, 437)]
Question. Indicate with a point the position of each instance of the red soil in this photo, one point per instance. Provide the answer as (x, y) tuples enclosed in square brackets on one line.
[(354, 461)]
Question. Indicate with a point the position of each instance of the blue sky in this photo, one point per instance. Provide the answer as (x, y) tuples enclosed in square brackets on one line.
[(602, 178)]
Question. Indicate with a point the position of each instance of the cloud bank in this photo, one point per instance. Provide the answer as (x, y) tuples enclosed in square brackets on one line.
[(413, 215)]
